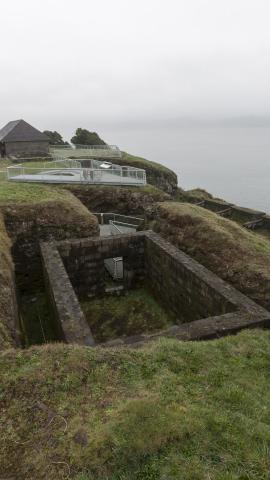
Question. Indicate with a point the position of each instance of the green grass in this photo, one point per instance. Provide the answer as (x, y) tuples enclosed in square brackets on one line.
[(29, 193), (171, 410), (141, 162), (11, 192), (131, 314), (239, 256), (223, 229)]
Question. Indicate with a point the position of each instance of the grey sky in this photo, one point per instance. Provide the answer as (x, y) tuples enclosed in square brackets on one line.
[(120, 63)]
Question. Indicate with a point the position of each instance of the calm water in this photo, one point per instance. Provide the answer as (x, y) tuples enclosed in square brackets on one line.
[(232, 163)]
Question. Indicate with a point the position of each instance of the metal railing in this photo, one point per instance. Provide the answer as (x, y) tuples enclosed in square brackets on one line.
[(51, 173), (121, 227), (95, 151), (105, 217), (60, 147), (115, 266)]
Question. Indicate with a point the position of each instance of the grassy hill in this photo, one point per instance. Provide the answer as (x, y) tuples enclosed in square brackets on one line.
[(171, 410), (157, 174)]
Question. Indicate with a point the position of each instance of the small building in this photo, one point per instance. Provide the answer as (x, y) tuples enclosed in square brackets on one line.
[(20, 139)]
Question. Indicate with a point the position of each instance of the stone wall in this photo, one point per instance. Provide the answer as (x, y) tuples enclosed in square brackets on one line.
[(84, 260), (9, 319), (68, 315), (27, 225), (182, 284), (209, 307)]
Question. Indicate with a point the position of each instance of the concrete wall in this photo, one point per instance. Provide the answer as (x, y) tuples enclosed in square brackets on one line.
[(27, 148)]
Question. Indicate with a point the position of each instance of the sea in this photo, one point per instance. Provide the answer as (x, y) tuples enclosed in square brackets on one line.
[(232, 163)]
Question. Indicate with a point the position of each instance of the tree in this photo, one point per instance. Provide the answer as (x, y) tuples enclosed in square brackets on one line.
[(55, 138), (84, 137)]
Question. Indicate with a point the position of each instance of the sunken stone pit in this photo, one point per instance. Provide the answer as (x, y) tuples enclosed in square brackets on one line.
[(203, 305)]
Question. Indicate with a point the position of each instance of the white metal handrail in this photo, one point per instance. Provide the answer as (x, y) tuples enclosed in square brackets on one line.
[(93, 150), (54, 174), (97, 147), (79, 145)]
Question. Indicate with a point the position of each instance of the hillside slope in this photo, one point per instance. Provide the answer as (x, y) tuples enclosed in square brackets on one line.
[(171, 410), (239, 256), (157, 174)]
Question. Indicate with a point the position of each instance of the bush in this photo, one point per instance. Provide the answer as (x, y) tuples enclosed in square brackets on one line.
[(84, 137)]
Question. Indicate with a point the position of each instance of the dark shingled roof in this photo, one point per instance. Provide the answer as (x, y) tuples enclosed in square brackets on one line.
[(21, 131)]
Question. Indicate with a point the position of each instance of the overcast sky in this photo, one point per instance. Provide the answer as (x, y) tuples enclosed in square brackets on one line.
[(117, 64)]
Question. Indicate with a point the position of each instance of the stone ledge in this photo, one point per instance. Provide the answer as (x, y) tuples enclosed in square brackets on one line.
[(70, 318)]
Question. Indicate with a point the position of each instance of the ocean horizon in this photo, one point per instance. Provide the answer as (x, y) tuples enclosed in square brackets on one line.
[(232, 163)]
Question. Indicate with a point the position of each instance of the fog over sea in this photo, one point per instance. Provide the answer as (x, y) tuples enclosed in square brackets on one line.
[(232, 163)]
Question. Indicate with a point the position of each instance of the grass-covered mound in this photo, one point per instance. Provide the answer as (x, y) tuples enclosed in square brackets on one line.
[(239, 256), (171, 410), (47, 207), (67, 215), (14, 192), (157, 174), (31, 213), (124, 200)]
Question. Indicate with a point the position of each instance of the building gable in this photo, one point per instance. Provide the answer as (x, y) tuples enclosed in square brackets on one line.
[(21, 131)]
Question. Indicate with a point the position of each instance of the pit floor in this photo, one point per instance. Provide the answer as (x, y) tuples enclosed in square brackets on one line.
[(132, 313)]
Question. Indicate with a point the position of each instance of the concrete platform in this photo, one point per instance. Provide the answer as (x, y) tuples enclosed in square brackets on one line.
[(78, 177)]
